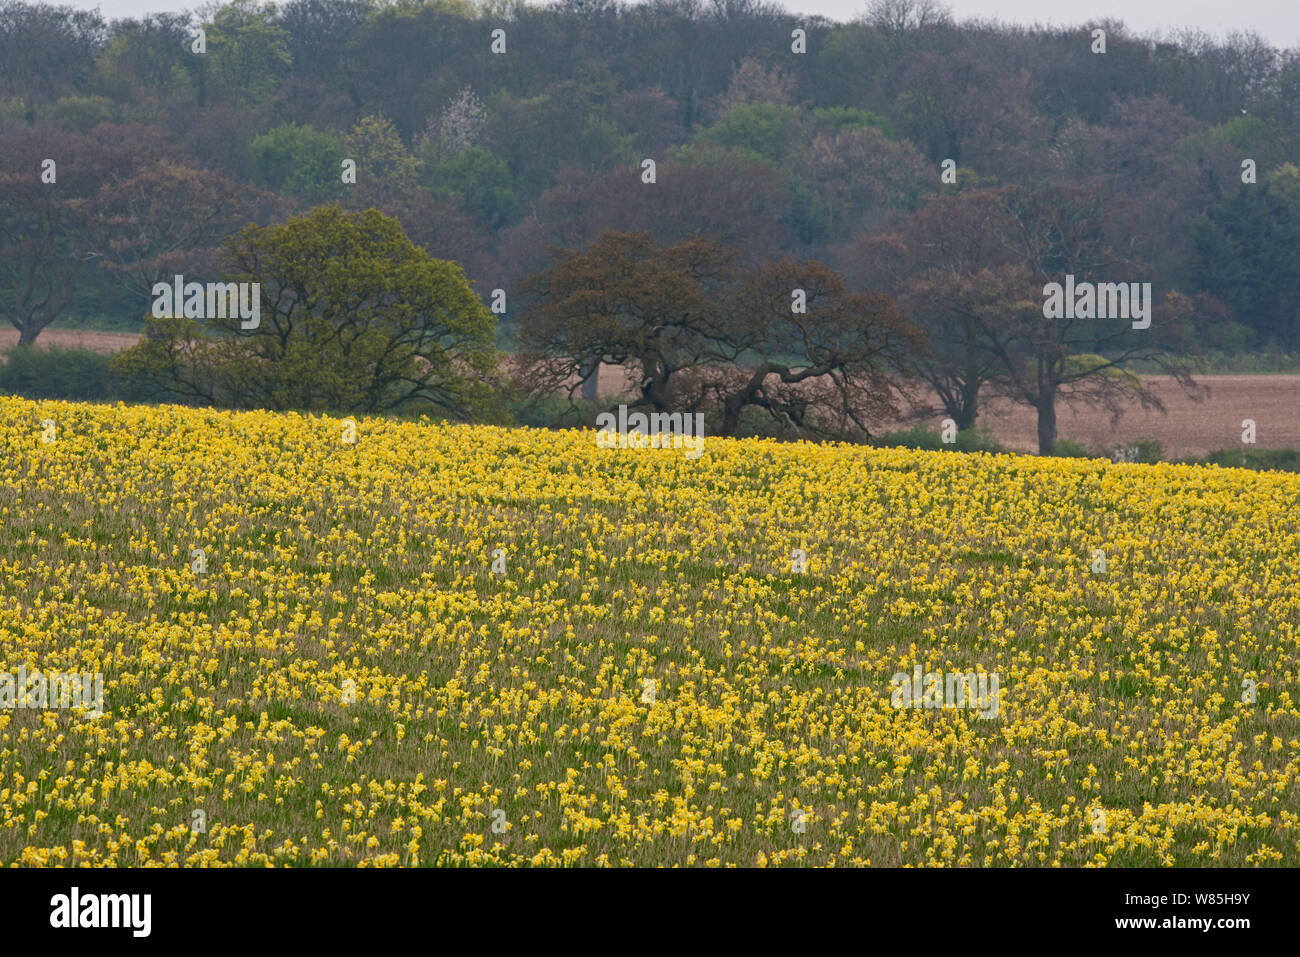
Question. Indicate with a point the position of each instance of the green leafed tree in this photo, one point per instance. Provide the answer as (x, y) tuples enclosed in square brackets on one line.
[(249, 51), (386, 169), (299, 161), (353, 317), (761, 130), (1247, 253), (482, 181)]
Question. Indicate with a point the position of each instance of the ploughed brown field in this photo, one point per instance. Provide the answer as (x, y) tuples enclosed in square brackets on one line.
[(75, 339), (1187, 427)]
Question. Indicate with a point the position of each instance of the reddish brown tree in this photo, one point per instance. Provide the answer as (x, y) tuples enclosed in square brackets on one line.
[(720, 196), (696, 333), (945, 268), (811, 353), (654, 311), (974, 269), (169, 218), (50, 228)]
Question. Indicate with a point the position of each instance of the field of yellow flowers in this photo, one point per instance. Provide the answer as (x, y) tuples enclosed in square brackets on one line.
[(455, 645)]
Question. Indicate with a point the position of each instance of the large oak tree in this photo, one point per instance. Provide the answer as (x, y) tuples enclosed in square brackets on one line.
[(354, 317), (694, 331)]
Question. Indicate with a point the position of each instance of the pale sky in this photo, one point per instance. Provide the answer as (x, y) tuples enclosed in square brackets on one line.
[(1278, 21)]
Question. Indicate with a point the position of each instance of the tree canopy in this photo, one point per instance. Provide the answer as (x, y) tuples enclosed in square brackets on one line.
[(353, 317)]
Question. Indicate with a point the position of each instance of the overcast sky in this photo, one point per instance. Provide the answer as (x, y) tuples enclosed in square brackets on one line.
[(1278, 21)]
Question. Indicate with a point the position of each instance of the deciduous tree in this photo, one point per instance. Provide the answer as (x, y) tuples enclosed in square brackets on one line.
[(354, 317)]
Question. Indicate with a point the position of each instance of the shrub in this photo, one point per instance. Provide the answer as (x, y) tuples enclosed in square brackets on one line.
[(1277, 460), (1150, 451), (917, 437), (56, 373), (1070, 449), (1145, 451), (978, 439), (76, 374), (551, 411)]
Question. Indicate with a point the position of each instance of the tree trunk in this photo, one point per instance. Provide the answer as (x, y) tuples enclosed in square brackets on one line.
[(28, 332), (968, 408), (1047, 424), (731, 409), (969, 385), (591, 384)]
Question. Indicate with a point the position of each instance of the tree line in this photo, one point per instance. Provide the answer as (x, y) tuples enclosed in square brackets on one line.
[(354, 316), (925, 176)]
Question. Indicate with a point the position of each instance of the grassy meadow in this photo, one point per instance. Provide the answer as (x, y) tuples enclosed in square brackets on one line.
[(466, 645)]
